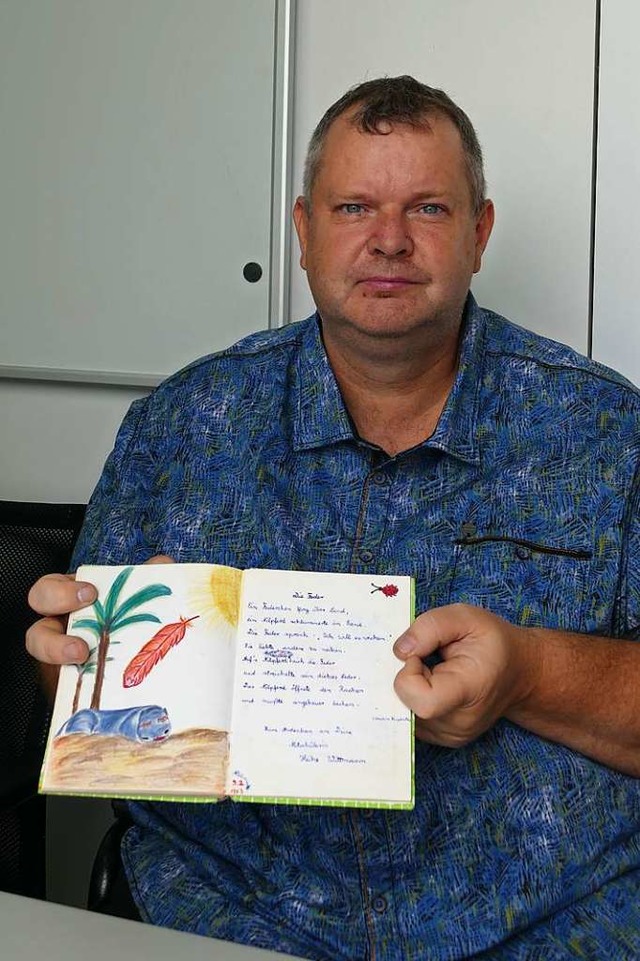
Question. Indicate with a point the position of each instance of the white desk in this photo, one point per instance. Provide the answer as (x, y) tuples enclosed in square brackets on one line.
[(33, 930)]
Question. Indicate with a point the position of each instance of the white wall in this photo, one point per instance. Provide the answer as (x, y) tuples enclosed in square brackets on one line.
[(524, 74), (616, 328), (55, 437)]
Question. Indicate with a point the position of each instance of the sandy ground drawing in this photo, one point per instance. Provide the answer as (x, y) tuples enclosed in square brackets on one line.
[(195, 760)]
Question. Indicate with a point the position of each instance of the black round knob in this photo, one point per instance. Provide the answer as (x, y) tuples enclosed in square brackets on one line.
[(252, 272)]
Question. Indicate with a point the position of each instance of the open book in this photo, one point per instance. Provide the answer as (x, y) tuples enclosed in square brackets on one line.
[(205, 682)]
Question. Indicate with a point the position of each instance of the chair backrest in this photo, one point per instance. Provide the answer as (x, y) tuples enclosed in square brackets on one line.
[(35, 539)]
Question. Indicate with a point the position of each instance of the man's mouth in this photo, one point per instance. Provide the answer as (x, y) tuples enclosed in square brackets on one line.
[(379, 284)]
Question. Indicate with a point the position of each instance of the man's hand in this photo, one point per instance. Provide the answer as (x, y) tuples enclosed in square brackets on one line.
[(485, 670), (56, 596), (577, 689)]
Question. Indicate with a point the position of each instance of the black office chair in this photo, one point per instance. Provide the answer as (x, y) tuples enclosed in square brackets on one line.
[(107, 868), (35, 539)]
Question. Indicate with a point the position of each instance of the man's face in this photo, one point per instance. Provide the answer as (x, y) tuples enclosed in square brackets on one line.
[(391, 241)]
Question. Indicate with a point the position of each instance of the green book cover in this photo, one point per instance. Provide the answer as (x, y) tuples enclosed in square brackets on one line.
[(205, 682)]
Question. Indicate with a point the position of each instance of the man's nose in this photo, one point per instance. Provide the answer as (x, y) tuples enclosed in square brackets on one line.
[(390, 236)]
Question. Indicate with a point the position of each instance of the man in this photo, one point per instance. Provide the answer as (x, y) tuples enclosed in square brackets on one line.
[(404, 429)]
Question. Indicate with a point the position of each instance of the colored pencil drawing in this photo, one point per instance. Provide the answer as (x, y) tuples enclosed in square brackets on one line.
[(154, 650), (149, 722), (194, 761), (109, 618), (217, 595), (239, 784), (124, 744)]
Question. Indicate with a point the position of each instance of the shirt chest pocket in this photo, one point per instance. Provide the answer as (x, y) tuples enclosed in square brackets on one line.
[(526, 581)]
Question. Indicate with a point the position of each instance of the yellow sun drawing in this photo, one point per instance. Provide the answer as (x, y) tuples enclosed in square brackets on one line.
[(217, 595)]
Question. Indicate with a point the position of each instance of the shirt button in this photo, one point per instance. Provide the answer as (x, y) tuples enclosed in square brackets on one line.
[(380, 479), (523, 553), (366, 556), (379, 904)]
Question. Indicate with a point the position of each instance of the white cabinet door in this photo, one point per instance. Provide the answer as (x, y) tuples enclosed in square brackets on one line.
[(136, 155)]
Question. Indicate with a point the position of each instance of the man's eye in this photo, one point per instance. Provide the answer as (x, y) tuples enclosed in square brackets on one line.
[(352, 208), (431, 209)]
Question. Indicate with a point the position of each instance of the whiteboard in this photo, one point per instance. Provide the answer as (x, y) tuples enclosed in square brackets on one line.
[(143, 150)]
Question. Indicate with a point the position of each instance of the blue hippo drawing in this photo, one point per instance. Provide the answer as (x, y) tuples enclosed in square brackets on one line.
[(147, 723)]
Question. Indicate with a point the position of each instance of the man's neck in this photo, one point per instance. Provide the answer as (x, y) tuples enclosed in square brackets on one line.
[(395, 396)]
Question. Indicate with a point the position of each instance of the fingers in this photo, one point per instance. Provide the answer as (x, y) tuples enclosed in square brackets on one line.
[(475, 680), (60, 594), (47, 642), (437, 628), (430, 694), (441, 703), (57, 594)]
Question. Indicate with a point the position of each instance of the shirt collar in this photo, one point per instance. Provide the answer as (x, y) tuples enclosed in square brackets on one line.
[(456, 432), (321, 417)]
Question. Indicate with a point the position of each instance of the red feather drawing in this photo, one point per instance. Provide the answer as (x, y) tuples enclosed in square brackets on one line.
[(154, 650)]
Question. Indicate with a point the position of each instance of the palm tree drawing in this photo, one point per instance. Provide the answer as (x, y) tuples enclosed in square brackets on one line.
[(110, 617), (89, 667)]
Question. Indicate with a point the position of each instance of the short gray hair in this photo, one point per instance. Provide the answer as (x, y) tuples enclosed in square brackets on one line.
[(401, 100)]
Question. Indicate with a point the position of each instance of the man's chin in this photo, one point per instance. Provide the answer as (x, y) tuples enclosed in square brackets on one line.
[(381, 324), (389, 319)]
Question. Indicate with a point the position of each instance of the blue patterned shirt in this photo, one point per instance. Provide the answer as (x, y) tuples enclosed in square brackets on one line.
[(523, 501)]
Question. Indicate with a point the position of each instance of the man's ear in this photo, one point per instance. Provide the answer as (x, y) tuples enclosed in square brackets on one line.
[(301, 221), (484, 226)]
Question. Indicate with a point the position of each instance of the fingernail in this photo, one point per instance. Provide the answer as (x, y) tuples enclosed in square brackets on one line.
[(72, 652), (86, 593), (405, 645)]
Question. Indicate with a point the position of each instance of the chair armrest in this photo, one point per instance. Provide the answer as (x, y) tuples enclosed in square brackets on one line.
[(106, 864)]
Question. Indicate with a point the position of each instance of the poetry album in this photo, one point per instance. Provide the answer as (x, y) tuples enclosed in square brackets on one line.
[(206, 682)]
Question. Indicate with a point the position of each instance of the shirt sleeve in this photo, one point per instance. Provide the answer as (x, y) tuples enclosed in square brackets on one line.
[(114, 530), (629, 596)]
